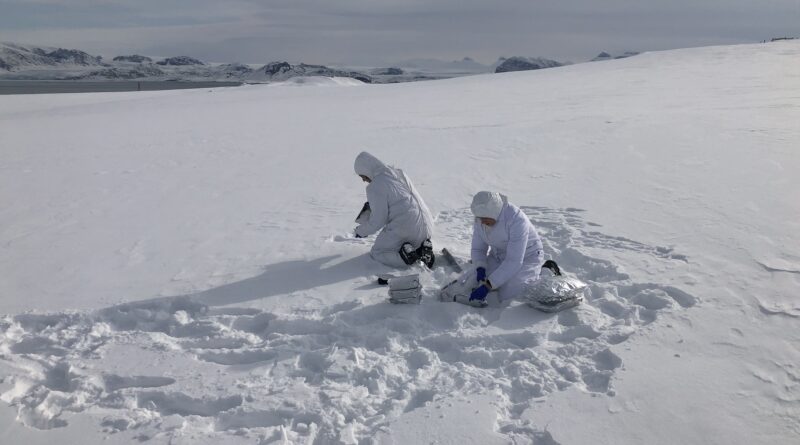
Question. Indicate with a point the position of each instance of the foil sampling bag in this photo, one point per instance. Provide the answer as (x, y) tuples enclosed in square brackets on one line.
[(555, 293), (405, 289)]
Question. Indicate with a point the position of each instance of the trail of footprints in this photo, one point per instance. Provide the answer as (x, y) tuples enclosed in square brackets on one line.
[(336, 375)]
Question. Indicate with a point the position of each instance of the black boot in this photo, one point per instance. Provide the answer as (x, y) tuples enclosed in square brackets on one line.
[(550, 264), (408, 254), (425, 253)]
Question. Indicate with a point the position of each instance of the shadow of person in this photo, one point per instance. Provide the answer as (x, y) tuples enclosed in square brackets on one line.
[(287, 277), (276, 279)]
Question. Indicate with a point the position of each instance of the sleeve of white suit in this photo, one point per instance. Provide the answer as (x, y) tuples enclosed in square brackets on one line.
[(479, 247), (379, 211), (515, 253)]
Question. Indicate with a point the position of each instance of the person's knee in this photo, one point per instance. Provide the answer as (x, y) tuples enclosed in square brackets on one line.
[(509, 291), (520, 284), (514, 287), (387, 257)]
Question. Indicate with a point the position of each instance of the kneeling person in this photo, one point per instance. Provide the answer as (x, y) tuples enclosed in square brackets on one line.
[(506, 249), (398, 212)]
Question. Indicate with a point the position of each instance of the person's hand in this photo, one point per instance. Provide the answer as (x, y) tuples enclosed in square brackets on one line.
[(480, 293), (481, 274)]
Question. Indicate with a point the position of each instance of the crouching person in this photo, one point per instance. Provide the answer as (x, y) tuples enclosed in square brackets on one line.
[(396, 210), (506, 250)]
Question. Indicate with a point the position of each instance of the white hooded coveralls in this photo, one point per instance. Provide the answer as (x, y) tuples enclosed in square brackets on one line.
[(511, 250), (396, 207)]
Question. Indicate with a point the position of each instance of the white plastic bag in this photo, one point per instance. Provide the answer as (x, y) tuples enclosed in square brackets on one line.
[(460, 289)]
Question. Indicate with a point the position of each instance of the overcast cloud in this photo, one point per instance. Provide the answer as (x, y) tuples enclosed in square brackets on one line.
[(373, 32)]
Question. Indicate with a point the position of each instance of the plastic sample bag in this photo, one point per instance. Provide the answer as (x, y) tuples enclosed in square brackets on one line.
[(459, 290)]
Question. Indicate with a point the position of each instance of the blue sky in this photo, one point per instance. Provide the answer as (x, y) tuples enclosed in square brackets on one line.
[(382, 31)]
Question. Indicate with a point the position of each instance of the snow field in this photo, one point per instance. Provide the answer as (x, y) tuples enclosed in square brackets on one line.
[(344, 372), (178, 267)]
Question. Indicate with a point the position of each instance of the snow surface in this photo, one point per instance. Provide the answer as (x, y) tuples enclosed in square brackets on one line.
[(178, 266), (319, 81)]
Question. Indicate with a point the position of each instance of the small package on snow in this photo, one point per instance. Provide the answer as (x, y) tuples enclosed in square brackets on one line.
[(460, 289), (555, 293), (405, 289)]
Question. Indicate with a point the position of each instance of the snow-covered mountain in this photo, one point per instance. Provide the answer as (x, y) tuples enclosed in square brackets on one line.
[(145, 71), (25, 62), (33, 63), (180, 61), (465, 65), (178, 267), (524, 64), (29, 62), (134, 58), (279, 71), (15, 57), (606, 56)]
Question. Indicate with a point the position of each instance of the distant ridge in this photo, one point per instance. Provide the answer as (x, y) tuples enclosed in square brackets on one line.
[(28, 62), (15, 57), (279, 71), (525, 64), (606, 56), (135, 58)]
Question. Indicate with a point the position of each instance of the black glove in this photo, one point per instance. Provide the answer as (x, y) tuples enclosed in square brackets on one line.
[(364, 209)]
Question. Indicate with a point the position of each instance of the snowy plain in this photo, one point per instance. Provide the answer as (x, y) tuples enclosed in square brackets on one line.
[(178, 266)]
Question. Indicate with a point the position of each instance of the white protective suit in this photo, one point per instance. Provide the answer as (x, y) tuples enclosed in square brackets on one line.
[(511, 250), (396, 207)]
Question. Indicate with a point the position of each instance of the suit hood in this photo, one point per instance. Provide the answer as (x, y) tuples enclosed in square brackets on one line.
[(488, 204), (368, 165)]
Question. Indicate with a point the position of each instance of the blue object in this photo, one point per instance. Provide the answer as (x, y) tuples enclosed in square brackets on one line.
[(481, 274), (480, 293)]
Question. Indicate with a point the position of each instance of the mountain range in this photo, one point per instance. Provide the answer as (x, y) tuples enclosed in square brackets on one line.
[(25, 62)]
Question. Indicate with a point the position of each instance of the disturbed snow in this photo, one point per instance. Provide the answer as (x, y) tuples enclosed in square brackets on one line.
[(179, 266)]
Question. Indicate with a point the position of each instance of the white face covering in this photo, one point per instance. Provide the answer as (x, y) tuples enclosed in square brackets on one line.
[(486, 229)]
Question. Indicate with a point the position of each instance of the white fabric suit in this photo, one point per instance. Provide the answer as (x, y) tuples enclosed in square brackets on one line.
[(396, 207), (511, 250)]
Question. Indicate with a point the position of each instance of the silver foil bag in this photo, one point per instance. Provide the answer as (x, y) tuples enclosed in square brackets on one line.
[(405, 289), (555, 293)]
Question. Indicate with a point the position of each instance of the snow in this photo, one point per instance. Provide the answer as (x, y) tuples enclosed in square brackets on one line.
[(319, 81), (178, 266)]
